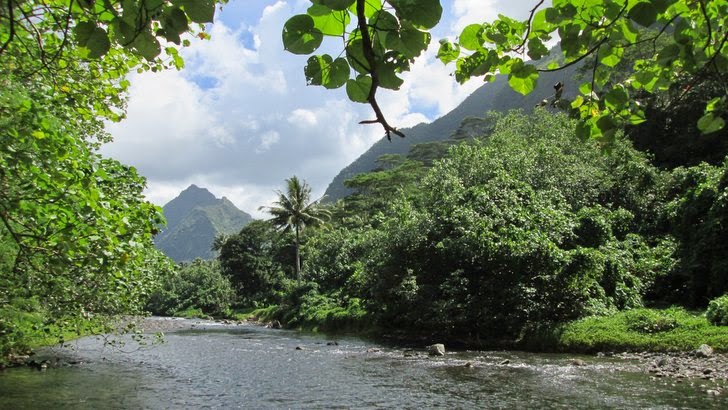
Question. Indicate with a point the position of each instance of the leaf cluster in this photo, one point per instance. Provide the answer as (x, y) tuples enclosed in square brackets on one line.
[(688, 39), (380, 41)]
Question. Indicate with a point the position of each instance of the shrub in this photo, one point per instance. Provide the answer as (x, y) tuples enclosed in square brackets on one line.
[(650, 321), (196, 285), (717, 312)]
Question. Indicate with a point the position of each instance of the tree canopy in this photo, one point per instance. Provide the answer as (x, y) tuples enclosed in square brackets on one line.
[(294, 211), (382, 38)]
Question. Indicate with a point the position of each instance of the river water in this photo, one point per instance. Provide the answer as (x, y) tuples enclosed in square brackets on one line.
[(246, 366)]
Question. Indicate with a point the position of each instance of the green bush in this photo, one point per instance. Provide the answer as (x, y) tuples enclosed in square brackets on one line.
[(717, 312), (197, 285), (624, 331), (649, 321)]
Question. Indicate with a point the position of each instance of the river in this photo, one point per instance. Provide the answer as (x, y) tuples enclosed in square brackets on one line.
[(247, 366)]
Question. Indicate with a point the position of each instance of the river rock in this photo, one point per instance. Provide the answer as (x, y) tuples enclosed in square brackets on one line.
[(703, 351), (438, 349), (505, 361), (578, 362)]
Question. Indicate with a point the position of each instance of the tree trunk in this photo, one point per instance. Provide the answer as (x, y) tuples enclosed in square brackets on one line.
[(298, 257)]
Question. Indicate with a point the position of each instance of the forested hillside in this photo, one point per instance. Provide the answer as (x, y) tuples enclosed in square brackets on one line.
[(495, 96)]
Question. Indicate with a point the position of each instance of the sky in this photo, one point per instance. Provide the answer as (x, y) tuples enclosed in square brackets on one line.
[(239, 118)]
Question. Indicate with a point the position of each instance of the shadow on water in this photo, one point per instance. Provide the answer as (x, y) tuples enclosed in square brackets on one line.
[(253, 367)]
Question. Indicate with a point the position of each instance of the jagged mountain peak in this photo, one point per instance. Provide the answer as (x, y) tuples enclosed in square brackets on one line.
[(194, 218)]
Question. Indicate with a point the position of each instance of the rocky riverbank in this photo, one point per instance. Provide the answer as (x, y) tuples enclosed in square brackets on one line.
[(159, 324), (702, 364)]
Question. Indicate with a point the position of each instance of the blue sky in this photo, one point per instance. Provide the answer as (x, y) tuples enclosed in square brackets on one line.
[(239, 118)]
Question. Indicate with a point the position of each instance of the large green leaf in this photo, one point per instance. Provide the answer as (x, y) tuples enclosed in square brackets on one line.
[(329, 22), (176, 20), (422, 13), (643, 13), (93, 38), (388, 77), (710, 122), (536, 49), (370, 7), (448, 51), (610, 56), (523, 77), (358, 90), (146, 45), (323, 70), (338, 4), (199, 11), (300, 36), (616, 99), (409, 41), (384, 21), (356, 58), (471, 37)]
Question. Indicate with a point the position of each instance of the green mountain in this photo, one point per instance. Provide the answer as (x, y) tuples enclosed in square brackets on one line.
[(495, 96), (194, 219)]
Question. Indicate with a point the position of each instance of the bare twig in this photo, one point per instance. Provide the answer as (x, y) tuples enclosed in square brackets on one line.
[(11, 19), (528, 28), (707, 22)]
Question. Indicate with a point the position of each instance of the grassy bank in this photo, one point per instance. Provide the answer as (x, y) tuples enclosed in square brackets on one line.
[(654, 330), (327, 318), (649, 330), (24, 327)]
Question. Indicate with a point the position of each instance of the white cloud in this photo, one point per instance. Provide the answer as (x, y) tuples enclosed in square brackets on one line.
[(303, 117), (472, 11), (266, 141)]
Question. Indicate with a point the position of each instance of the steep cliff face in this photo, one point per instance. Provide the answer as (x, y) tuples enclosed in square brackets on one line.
[(194, 219), (495, 96)]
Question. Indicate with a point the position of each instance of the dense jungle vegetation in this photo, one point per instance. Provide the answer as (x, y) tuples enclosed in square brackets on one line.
[(612, 202), (522, 227)]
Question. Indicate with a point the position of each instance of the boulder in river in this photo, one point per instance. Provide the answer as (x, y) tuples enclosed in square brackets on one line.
[(438, 349), (703, 351)]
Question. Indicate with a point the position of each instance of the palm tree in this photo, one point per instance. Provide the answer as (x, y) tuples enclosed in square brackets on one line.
[(294, 211)]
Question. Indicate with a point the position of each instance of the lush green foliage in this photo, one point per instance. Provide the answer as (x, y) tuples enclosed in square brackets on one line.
[(689, 41), (516, 229), (25, 325), (75, 230), (699, 220), (305, 307), (197, 285), (255, 260), (77, 227), (511, 234), (717, 312), (101, 28)]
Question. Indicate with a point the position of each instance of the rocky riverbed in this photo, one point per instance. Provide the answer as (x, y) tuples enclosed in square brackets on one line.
[(701, 364), (688, 365), (157, 324)]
